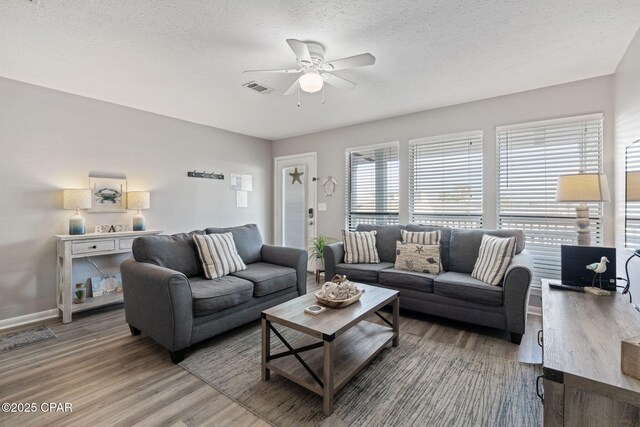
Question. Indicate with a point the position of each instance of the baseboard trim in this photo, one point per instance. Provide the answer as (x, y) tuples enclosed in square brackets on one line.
[(28, 318)]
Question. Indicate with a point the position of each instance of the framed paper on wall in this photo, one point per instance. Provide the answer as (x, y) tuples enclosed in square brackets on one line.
[(108, 194)]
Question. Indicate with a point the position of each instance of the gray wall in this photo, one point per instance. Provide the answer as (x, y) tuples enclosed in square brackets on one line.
[(52, 140), (627, 122), (582, 97)]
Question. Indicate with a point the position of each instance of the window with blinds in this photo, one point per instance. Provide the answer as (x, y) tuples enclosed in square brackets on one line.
[(530, 158), (372, 184), (445, 180), (632, 196)]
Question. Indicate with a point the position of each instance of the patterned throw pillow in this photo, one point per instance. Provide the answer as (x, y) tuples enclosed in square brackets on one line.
[(418, 257), (360, 247), (218, 254), (493, 259), (422, 237)]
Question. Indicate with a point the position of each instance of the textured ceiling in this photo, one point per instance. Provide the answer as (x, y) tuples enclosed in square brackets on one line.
[(184, 58)]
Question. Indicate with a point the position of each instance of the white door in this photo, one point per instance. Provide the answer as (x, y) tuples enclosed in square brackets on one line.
[(295, 200)]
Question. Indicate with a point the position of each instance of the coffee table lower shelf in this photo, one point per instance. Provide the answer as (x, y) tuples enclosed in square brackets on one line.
[(353, 351)]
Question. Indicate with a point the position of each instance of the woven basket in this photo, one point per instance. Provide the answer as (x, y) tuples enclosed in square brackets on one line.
[(337, 303)]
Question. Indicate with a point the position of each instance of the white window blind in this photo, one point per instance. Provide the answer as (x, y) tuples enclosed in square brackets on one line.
[(632, 196), (372, 184), (530, 159), (445, 180)]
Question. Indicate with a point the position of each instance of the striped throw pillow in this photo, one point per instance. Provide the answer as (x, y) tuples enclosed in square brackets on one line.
[(360, 247), (493, 259), (421, 237), (218, 254)]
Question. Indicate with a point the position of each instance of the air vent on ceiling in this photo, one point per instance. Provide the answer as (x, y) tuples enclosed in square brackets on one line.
[(258, 87)]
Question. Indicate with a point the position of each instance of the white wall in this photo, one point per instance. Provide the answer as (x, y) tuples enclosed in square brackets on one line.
[(572, 99), (52, 140), (627, 130)]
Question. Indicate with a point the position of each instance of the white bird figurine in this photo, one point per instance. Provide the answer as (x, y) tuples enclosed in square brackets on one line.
[(598, 268)]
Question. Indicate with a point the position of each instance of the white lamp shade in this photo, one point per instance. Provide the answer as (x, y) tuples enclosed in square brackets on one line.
[(311, 82), (633, 186), (584, 187), (138, 199), (76, 199)]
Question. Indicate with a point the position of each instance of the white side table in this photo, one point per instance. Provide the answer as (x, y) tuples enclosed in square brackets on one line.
[(70, 247)]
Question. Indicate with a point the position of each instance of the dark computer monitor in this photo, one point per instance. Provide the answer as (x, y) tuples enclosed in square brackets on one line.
[(574, 265)]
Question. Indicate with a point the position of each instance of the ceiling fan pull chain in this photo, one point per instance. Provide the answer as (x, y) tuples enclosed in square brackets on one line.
[(298, 95), (323, 94)]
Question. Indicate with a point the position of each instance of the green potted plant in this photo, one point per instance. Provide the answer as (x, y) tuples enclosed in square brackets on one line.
[(316, 249)]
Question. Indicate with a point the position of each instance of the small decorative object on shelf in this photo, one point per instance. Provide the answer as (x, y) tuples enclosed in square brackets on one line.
[(138, 200), (598, 268), (79, 293)]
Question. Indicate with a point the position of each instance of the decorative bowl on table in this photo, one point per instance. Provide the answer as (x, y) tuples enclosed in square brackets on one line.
[(339, 292)]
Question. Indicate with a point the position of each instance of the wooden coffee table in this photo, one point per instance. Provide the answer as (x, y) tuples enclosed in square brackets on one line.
[(347, 341)]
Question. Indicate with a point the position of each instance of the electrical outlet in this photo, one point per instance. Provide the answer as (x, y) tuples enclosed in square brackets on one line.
[(322, 206)]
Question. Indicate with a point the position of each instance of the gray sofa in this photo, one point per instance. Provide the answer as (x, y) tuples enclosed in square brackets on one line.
[(167, 297), (453, 293)]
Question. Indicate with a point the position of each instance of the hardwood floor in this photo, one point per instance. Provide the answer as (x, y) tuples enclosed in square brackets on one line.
[(111, 377)]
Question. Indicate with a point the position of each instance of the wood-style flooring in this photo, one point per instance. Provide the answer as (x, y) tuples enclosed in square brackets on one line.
[(113, 378)]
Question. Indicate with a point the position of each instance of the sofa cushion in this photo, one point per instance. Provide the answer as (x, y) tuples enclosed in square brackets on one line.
[(247, 238), (422, 237), (210, 296), (465, 246), (367, 273), (412, 280), (418, 257), (177, 252), (463, 286), (445, 237), (268, 278), (218, 255), (360, 247), (493, 259), (386, 238)]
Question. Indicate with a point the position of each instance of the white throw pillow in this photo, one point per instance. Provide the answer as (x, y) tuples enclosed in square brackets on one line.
[(418, 257), (360, 247), (218, 254), (493, 259), (422, 237)]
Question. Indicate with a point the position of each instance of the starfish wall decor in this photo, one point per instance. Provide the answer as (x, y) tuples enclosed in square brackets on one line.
[(296, 176)]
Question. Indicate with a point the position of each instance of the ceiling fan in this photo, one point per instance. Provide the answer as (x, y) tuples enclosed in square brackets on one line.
[(310, 58)]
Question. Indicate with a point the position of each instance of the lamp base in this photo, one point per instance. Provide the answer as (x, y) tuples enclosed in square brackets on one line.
[(139, 222), (77, 224), (582, 223)]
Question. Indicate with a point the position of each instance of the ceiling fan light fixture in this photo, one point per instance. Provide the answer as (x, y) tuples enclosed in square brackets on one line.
[(311, 82)]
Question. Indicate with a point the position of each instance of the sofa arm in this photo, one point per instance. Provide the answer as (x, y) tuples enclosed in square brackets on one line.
[(333, 254), (517, 281), (289, 257), (158, 302)]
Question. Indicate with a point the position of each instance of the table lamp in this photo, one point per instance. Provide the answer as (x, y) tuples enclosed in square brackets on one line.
[(633, 187), (138, 200), (77, 199), (583, 187)]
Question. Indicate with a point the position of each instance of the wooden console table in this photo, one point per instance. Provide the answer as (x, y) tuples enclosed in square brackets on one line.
[(70, 247), (583, 383)]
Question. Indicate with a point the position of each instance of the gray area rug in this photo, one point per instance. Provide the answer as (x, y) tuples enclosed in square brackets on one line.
[(18, 339), (418, 383)]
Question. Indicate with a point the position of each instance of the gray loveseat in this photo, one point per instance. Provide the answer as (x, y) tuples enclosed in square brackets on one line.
[(453, 293), (167, 297)]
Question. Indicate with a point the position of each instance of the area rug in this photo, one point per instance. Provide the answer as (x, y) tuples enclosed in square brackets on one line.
[(420, 382), (18, 339)]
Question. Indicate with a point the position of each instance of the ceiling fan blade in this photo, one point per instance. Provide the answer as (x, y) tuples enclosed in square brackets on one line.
[(338, 82), (300, 49), (293, 88), (290, 71), (351, 62)]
